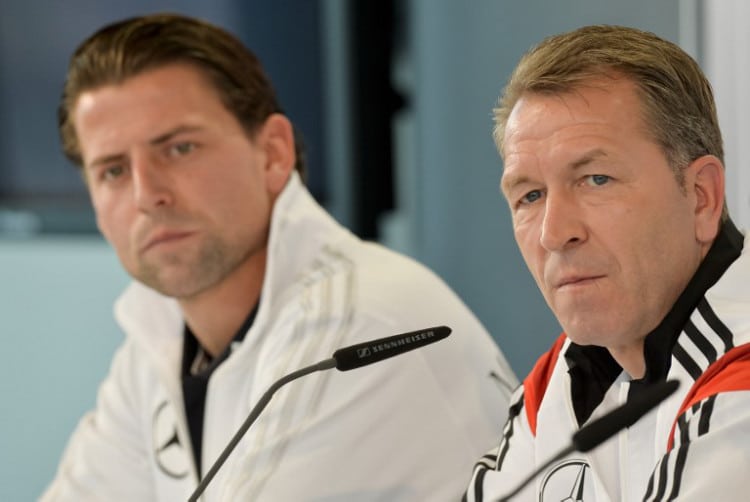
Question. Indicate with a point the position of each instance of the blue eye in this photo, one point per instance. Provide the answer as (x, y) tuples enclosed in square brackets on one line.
[(532, 196), (597, 179)]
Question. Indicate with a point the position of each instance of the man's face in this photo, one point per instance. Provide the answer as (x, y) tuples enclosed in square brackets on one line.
[(179, 189), (603, 225)]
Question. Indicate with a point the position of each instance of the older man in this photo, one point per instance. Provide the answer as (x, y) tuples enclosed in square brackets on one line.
[(615, 182)]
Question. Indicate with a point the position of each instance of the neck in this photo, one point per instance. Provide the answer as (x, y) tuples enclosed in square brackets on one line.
[(631, 359), (215, 315)]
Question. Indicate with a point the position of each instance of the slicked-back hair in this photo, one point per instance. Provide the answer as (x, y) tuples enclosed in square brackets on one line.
[(127, 48)]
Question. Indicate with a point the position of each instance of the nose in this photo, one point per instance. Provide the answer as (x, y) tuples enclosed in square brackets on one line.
[(562, 224), (151, 184)]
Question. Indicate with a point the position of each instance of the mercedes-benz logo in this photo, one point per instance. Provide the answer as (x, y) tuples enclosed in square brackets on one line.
[(171, 455), (567, 482)]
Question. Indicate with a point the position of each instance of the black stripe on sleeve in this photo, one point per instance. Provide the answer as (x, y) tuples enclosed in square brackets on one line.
[(716, 324), (706, 409), (478, 485), (662, 487), (679, 467), (700, 341), (513, 413), (650, 486), (686, 361)]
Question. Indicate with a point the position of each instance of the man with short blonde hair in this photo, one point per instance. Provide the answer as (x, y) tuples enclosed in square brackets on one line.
[(614, 177)]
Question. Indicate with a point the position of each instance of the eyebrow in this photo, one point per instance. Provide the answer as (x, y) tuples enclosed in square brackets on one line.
[(107, 159), (587, 158), (159, 140), (163, 138), (508, 184)]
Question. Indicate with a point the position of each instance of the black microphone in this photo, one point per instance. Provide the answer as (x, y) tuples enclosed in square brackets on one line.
[(362, 354), (592, 435), (345, 359)]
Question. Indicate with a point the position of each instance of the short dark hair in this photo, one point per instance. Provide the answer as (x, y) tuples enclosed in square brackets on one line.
[(127, 48)]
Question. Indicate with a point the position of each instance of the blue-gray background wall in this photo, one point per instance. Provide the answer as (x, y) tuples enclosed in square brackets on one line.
[(56, 291)]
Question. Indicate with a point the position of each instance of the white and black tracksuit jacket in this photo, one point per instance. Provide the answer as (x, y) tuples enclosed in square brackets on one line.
[(694, 447), (400, 430)]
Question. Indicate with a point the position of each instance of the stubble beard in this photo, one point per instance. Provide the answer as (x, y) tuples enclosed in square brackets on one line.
[(186, 275)]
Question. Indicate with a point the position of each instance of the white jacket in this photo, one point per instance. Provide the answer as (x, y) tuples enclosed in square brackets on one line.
[(402, 429), (695, 446)]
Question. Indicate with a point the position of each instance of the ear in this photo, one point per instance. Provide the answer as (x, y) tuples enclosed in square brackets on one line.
[(276, 137), (705, 176)]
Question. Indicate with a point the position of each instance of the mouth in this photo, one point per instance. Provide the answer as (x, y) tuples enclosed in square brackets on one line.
[(164, 238), (576, 281)]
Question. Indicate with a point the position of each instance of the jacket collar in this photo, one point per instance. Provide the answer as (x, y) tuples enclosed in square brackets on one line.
[(299, 227), (593, 370)]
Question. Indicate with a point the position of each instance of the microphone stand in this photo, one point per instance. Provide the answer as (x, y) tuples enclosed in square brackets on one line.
[(264, 400), (344, 359)]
